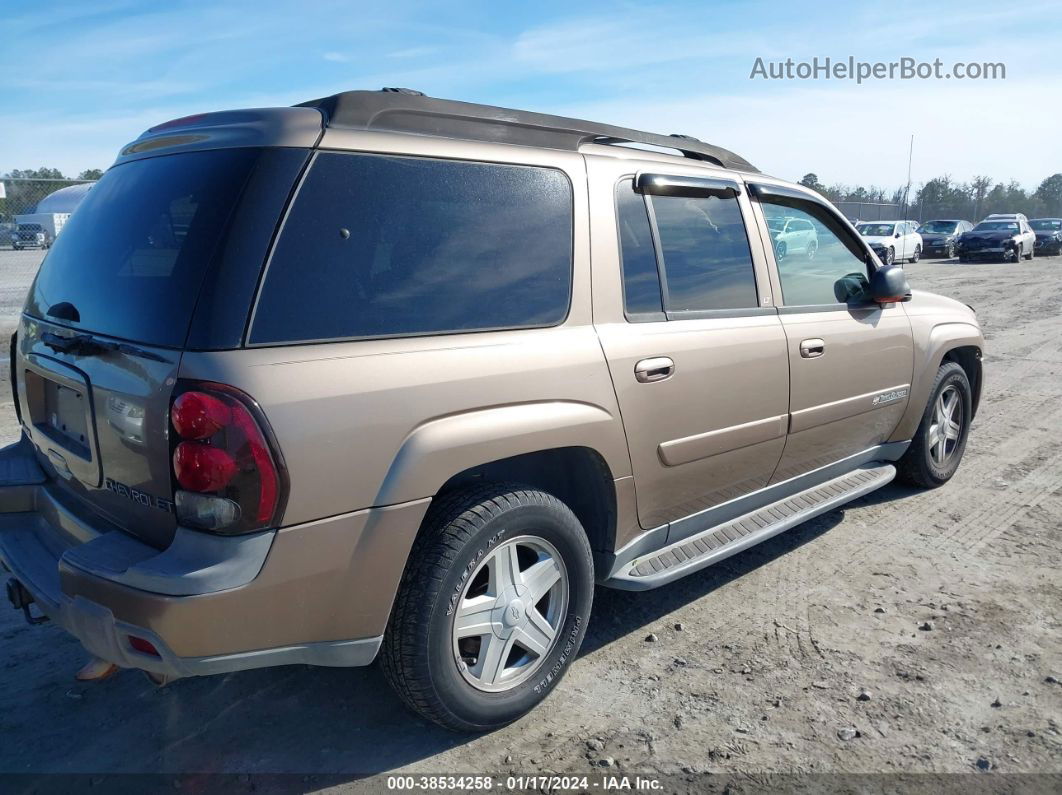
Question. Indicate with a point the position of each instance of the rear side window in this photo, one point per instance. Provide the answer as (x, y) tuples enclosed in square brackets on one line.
[(380, 246), (641, 277), (707, 261), (130, 261)]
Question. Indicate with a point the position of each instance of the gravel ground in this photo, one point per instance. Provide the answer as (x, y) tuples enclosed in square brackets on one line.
[(911, 631)]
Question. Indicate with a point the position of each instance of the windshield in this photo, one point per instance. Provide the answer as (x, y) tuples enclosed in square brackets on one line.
[(1047, 224), (938, 227), (997, 226), (876, 230), (133, 256)]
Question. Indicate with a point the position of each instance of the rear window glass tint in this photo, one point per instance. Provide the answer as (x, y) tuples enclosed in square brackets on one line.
[(133, 256), (707, 261), (378, 246)]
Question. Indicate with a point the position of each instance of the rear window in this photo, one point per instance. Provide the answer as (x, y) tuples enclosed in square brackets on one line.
[(380, 246), (707, 261), (131, 259)]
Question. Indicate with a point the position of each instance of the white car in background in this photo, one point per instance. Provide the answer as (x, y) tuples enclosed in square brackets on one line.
[(792, 236), (893, 241)]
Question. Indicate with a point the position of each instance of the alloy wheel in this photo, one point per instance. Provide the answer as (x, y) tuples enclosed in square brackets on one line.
[(510, 613), (946, 428)]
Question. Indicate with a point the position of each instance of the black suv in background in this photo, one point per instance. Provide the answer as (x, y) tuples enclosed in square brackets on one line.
[(31, 236), (1048, 235), (939, 237)]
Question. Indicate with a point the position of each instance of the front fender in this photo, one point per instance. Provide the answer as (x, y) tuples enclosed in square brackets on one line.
[(932, 344), (440, 448)]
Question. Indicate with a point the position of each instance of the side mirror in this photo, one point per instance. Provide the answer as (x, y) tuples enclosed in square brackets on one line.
[(889, 284), (896, 235)]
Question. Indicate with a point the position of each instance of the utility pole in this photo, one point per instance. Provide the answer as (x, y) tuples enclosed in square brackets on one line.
[(907, 190)]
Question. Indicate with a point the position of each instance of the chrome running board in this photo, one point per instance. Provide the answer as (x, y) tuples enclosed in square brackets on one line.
[(688, 555)]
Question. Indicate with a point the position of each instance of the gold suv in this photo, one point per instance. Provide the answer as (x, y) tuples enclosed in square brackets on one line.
[(387, 375)]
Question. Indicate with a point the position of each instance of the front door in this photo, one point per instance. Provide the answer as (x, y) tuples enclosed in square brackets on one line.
[(684, 311), (850, 362)]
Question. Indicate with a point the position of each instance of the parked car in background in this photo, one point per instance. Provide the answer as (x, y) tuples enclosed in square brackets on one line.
[(1005, 237), (893, 241), (940, 237), (1048, 235), (793, 236), (1006, 217), (520, 363), (31, 236), (51, 223)]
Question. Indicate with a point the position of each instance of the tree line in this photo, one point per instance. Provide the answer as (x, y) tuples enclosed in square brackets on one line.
[(25, 187), (943, 197)]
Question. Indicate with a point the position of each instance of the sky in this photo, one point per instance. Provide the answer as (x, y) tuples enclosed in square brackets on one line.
[(80, 79)]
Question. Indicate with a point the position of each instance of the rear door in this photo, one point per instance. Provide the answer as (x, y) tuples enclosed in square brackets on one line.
[(685, 315), (105, 324), (850, 362)]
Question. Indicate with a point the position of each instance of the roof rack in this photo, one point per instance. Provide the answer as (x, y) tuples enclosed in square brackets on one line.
[(404, 110)]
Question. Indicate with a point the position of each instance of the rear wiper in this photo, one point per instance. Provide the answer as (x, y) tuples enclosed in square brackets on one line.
[(87, 345)]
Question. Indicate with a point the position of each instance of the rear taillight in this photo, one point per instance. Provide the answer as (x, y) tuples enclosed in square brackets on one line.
[(227, 472)]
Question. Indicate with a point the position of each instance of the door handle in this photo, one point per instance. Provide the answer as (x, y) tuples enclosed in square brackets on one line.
[(813, 348), (657, 368)]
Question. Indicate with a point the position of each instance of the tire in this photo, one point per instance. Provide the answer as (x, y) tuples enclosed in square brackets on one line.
[(780, 251), (917, 255), (890, 256), (950, 252), (1018, 255), (963, 258), (466, 537), (922, 465), (812, 249)]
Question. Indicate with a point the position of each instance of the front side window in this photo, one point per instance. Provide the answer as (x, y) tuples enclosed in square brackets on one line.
[(707, 260), (380, 246), (827, 266)]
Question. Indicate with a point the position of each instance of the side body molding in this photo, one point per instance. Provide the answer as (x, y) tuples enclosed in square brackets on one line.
[(441, 447)]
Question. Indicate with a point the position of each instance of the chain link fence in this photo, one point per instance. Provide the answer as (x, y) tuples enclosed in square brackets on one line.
[(37, 201), (870, 211)]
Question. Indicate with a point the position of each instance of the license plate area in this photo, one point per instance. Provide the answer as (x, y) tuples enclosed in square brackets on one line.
[(66, 417), (60, 412)]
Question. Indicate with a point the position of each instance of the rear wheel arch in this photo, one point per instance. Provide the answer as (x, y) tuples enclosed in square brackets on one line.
[(577, 476)]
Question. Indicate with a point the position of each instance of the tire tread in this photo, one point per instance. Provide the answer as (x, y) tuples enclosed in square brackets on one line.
[(451, 523)]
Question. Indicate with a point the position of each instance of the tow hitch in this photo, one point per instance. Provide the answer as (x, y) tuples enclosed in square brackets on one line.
[(21, 599)]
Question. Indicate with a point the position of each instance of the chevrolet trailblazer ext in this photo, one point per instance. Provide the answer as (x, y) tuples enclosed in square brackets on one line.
[(388, 375)]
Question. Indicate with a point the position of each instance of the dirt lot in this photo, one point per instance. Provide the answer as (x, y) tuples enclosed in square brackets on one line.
[(943, 608)]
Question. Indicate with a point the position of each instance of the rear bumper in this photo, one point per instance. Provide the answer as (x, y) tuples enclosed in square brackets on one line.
[(316, 594)]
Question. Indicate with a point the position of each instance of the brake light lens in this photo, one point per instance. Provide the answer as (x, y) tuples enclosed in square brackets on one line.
[(226, 471), (197, 415), (143, 646), (200, 467)]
